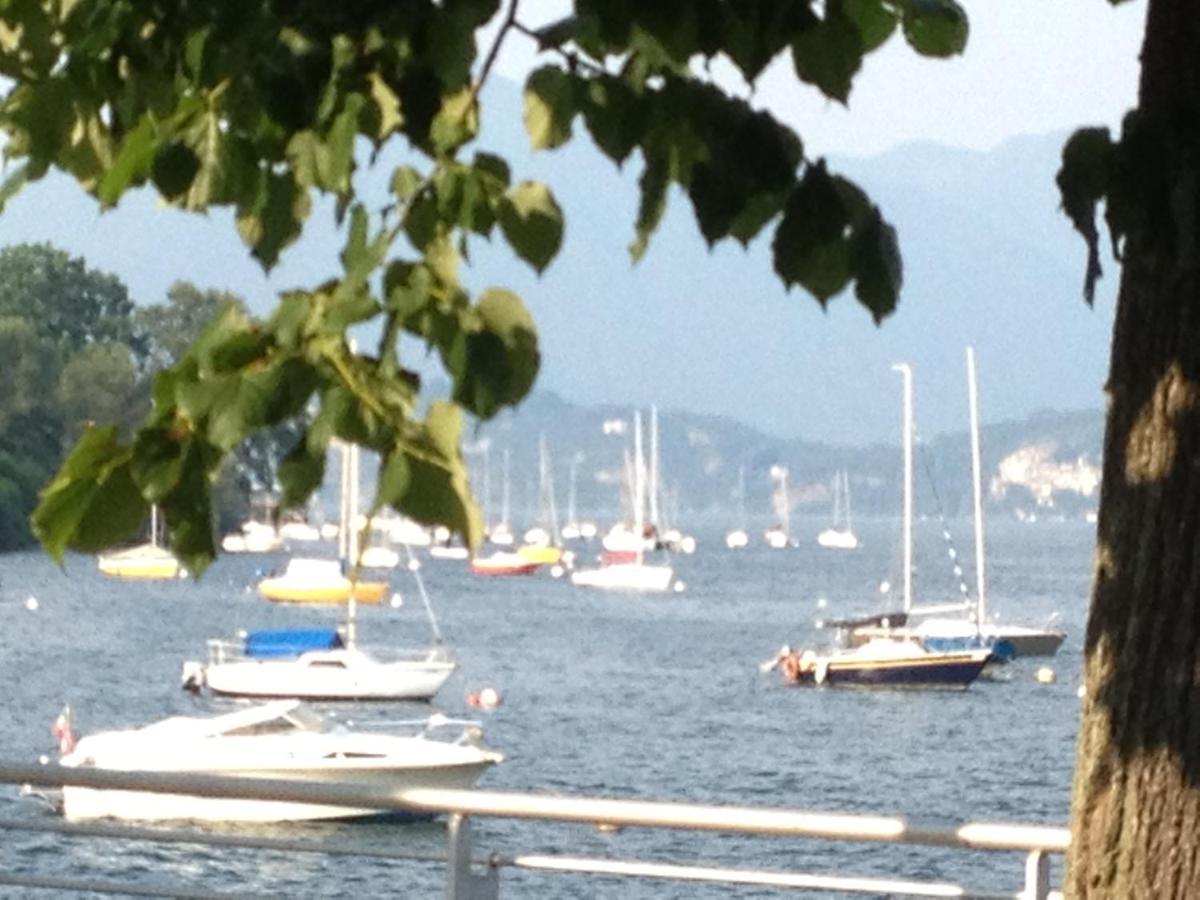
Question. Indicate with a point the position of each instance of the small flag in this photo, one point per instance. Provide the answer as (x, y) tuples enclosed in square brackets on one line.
[(62, 730)]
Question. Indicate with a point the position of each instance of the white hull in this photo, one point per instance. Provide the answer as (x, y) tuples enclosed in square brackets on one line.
[(626, 577), (776, 539), (737, 540), (275, 740), (79, 804), (838, 539), (335, 675)]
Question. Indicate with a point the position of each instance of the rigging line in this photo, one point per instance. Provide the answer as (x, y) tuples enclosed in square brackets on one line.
[(415, 568), (951, 550)]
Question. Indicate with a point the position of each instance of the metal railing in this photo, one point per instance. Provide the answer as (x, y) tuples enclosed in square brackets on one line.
[(478, 879)]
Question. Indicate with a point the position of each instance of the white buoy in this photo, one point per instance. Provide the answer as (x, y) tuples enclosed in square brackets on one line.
[(1045, 675), (31, 603), (1081, 692), (489, 698), (679, 586), (397, 601), (413, 565), (822, 602), (557, 571)]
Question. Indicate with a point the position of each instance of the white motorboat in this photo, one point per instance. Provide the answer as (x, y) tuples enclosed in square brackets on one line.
[(317, 664), (280, 740)]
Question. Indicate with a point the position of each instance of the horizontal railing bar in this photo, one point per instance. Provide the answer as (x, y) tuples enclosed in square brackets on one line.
[(80, 885), (209, 839), (587, 810), (720, 875)]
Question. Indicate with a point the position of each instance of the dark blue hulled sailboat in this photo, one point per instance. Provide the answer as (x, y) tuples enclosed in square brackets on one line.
[(883, 663)]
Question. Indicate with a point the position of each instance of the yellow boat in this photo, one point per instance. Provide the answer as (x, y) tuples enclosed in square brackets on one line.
[(144, 562), (535, 553), (319, 581)]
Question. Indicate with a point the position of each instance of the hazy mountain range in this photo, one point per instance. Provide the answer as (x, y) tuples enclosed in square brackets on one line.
[(989, 261)]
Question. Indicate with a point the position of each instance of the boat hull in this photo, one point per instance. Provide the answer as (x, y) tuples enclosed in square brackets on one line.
[(631, 577), (927, 670), (80, 804), (279, 591), (271, 679)]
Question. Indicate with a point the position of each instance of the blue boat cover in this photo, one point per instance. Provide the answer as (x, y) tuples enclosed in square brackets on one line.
[(291, 641)]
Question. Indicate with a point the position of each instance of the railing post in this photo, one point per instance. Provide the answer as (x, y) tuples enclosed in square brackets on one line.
[(1037, 876), (461, 882)]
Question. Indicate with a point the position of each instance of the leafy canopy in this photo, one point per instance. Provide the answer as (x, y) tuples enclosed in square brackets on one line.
[(260, 106)]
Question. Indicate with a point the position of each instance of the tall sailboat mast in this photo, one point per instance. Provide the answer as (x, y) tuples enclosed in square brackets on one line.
[(977, 473), (638, 484), (905, 371)]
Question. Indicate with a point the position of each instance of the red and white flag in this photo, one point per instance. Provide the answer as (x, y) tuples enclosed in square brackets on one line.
[(62, 730)]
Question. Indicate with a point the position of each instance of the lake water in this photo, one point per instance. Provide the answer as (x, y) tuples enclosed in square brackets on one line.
[(656, 697)]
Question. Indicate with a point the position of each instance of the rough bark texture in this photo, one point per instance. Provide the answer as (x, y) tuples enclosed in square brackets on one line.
[(1136, 801)]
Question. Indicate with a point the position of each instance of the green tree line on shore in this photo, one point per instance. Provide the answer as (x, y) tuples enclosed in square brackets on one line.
[(78, 351)]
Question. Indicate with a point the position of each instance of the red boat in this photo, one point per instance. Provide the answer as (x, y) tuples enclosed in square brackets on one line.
[(503, 563)]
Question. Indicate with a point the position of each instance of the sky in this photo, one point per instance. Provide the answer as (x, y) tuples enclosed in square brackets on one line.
[(1031, 67)]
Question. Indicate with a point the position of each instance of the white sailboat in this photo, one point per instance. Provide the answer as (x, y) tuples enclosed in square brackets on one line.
[(327, 664), (779, 535), (738, 539), (574, 529), (840, 535), (501, 533), (542, 543), (635, 575)]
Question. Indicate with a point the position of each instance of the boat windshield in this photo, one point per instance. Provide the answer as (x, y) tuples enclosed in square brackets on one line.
[(287, 721)]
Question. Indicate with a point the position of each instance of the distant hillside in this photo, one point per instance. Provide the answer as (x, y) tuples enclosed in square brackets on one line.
[(702, 454)]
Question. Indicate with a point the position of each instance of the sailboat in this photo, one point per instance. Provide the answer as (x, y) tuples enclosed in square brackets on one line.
[(958, 626), (878, 654), (779, 536), (144, 562), (315, 580), (635, 574), (574, 529), (737, 539), (543, 543), (327, 663), (501, 534), (840, 535)]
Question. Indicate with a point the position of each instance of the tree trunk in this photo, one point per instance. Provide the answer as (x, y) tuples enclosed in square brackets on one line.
[(1135, 817)]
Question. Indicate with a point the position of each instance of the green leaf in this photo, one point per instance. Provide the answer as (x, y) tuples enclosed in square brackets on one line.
[(157, 463), (456, 122), (829, 55), (878, 273), (653, 184), (97, 469), (549, 107), (395, 477), (301, 473), (502, 356), (387, 103), (13, 183), (810, 247), (874, 19), (754, 32), (131, 165), (616, 117), (174, 168), (405, 182), (532, 223), (935, 27), (1084, 179)]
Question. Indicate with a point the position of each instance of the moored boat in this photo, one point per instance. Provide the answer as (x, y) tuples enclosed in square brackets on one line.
[(279, 740), (883, 663), (308, 580)]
